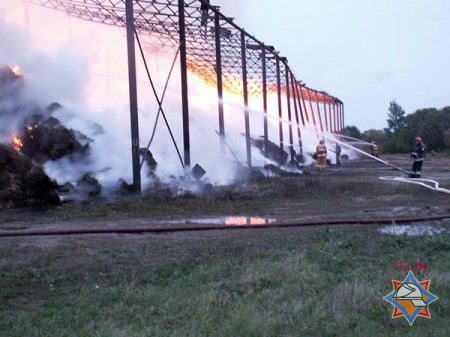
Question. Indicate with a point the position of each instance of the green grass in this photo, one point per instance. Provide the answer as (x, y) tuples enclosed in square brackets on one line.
[(327, 281)]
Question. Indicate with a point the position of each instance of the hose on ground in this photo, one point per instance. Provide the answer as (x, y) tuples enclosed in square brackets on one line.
[(418, 181)]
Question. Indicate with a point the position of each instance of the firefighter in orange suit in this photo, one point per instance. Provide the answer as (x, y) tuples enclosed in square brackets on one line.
[(321, 151), (374, 149)]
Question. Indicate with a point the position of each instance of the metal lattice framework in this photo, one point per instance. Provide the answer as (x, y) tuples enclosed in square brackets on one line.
[(217, 50)]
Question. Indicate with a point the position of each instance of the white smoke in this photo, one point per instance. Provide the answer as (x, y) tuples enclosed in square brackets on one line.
[(87, 74)]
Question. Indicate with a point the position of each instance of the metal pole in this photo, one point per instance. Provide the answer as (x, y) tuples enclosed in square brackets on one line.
[(318, 111), (304, 104), (339, 117), (264, 79), (325, 98), (219, 82), (334, 115), (132, 83), (330, 114), (295, 94), (297, 91), (288, 96), (184, 85), (245, 91), (312, 111), (280, 113)]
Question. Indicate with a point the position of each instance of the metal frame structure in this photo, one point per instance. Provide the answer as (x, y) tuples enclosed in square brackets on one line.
[(220, 52)]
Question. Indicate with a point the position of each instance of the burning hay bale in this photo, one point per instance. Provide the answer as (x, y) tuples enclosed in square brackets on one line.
[(23, 184), (49, 140), (38, 137)]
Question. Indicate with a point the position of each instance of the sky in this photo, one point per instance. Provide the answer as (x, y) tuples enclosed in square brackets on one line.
[(364, 52)]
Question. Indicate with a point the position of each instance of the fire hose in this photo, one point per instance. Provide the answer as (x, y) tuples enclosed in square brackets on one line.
[(419, 181), (209, 227)]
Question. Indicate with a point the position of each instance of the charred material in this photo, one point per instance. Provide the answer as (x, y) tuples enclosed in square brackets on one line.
[(49, 140), (23, 184), (150, 161)]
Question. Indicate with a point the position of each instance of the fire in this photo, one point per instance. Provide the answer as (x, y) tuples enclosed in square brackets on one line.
[(16, 70), (17, 143)]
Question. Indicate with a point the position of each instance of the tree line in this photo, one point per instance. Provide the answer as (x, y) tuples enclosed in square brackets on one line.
[(432, 124)]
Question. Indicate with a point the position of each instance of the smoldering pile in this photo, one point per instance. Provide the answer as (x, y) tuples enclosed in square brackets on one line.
[(32, 137)]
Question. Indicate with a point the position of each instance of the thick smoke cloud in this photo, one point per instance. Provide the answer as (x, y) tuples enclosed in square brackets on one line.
[(86, 72)]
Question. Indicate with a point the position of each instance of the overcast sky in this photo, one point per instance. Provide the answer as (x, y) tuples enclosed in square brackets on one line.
[(364, 52)]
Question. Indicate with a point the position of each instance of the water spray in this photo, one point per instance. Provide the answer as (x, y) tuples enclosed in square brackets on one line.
[(367, 154), (417, 181)]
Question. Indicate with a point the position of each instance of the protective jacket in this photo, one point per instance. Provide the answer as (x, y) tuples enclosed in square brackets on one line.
[(374, 150), (321, 150), (418, 161)]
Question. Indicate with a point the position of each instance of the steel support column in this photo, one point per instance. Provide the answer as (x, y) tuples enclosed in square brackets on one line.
[(288, 96), (330, 116), (298, 89), (264, 92), (280, 112), (219, 81), (338, 106), (304, 104), (245, 92), (335, 116), (295, 94), (184, 85), (132, 83), (325, 98), (312, 111), (318, 111)]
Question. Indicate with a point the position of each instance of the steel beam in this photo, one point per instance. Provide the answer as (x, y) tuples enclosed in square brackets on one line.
[(132, 84), (219, 82), (288, 97), (184, 86), (264, 91), (245, 92), (280, 109)]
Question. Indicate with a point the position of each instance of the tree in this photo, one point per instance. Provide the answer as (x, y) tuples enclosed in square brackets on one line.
[(378, 136), (352, 131), (432, 125), (397, 119)]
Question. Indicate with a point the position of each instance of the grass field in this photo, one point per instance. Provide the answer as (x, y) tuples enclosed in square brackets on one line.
[(327, 281), (305, 281)]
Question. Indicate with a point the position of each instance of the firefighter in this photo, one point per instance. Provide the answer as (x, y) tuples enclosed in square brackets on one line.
[(418, 158), (338, 150), (374, 149), (321, 151)]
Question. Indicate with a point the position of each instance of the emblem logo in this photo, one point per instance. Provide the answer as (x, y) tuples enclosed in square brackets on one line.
[(411, 298)]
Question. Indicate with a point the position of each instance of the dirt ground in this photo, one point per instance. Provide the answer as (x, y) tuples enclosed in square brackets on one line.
[(352, 191)]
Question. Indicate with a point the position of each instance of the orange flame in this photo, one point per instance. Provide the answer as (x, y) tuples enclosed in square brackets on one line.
[(17, 143)]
